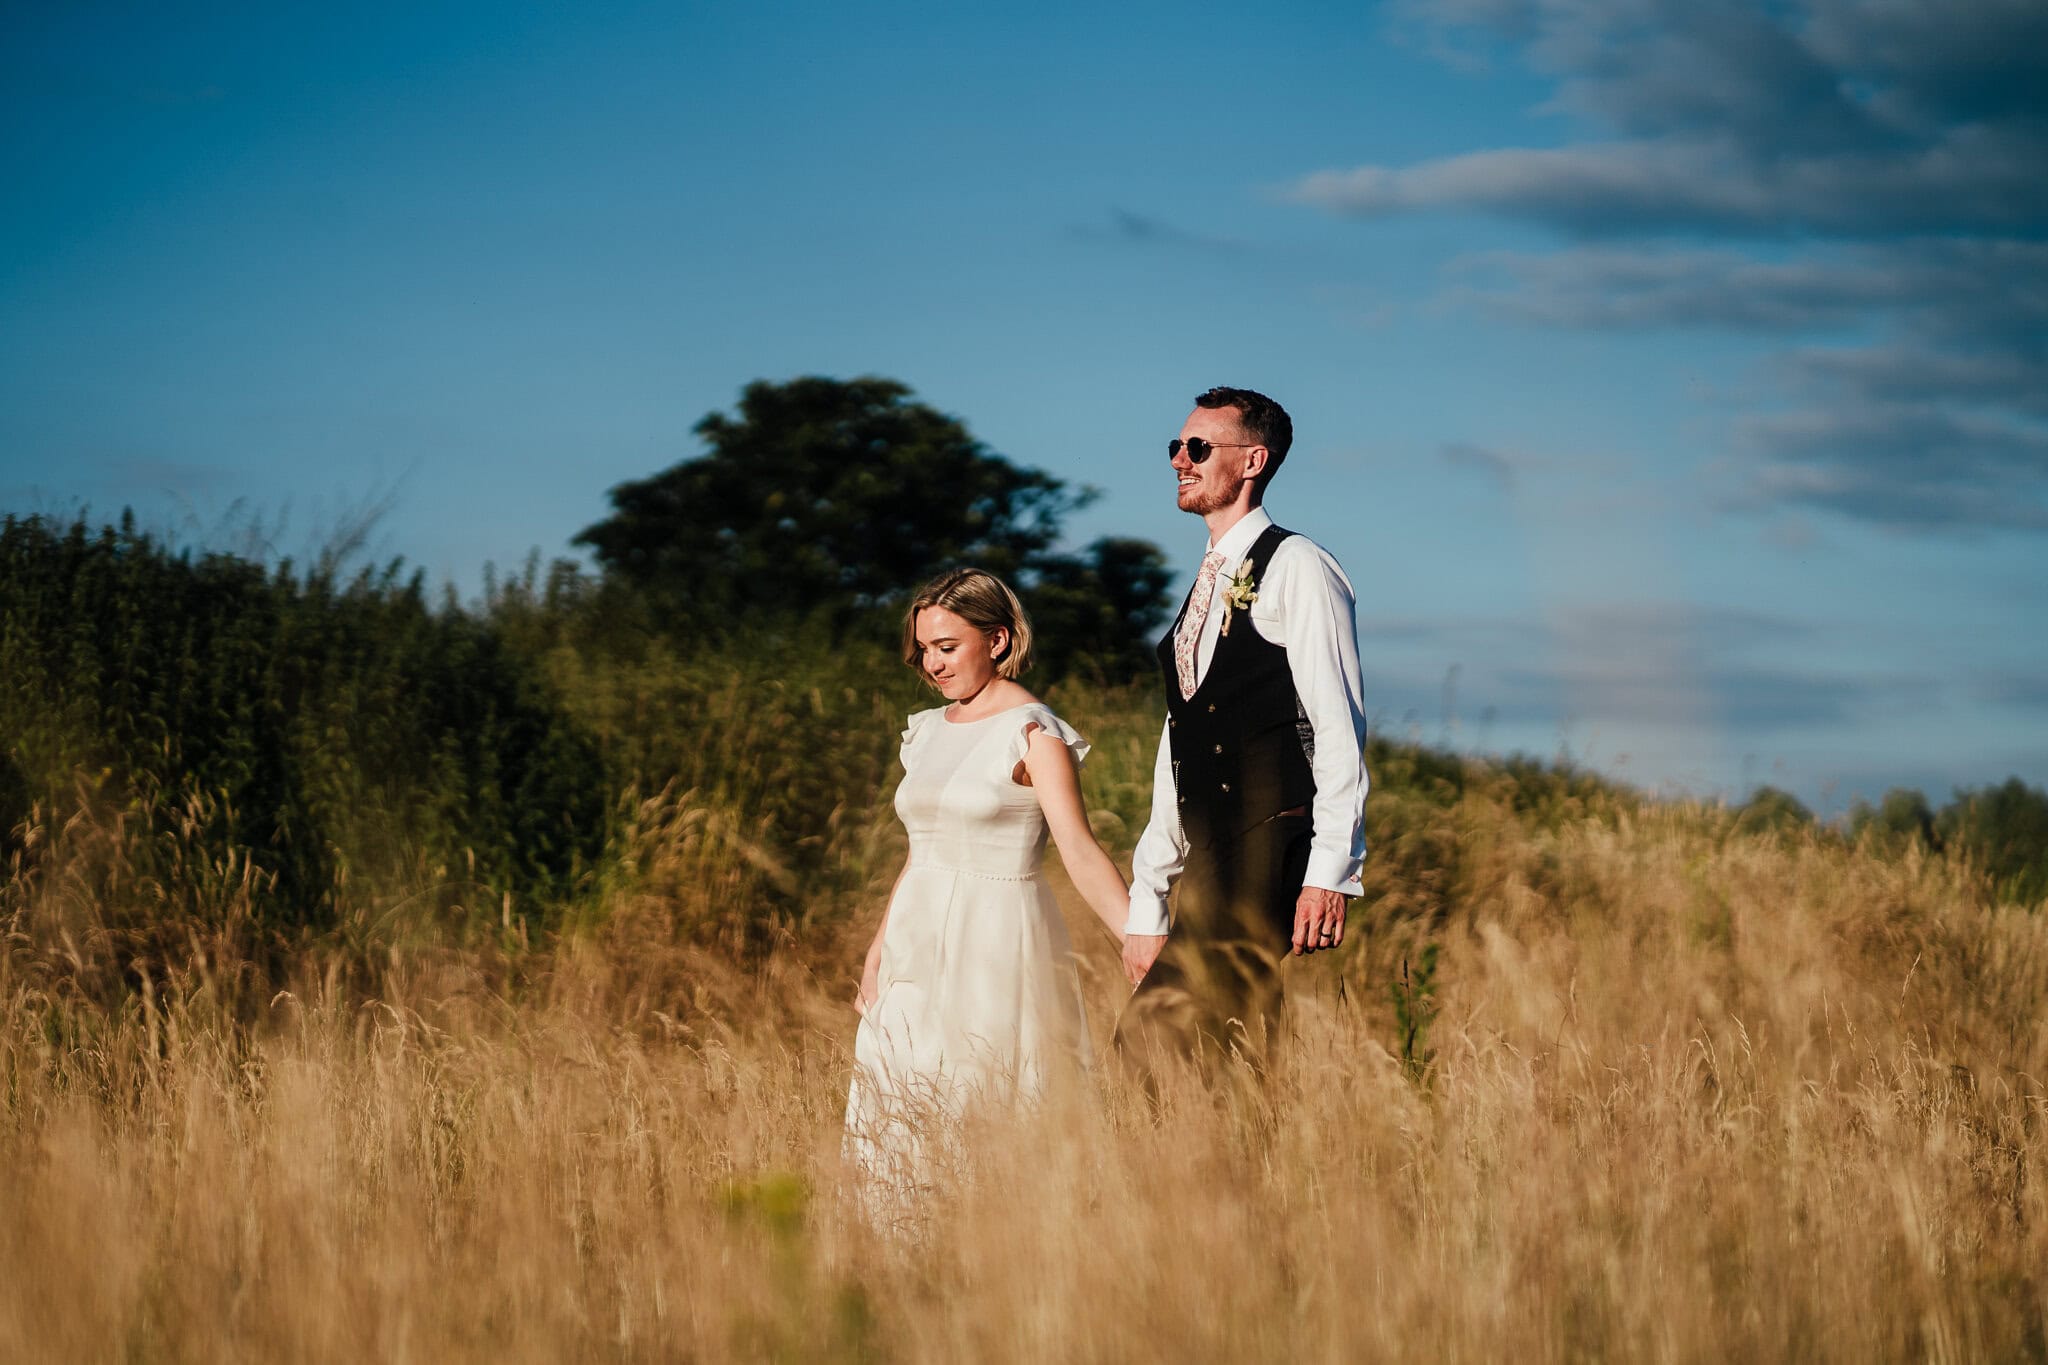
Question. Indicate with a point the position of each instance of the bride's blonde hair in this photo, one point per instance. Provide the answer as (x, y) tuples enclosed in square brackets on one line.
[(983, 601)]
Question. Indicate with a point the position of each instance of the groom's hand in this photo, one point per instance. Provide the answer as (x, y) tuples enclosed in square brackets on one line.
[(1140, 952), (1318, 919)]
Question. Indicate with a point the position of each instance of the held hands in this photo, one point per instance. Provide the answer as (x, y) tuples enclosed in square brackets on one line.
[(1140, 952), (1318, 924), (1318, 919)]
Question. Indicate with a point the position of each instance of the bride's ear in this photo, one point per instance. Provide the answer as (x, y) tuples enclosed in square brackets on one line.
[(998, 643)]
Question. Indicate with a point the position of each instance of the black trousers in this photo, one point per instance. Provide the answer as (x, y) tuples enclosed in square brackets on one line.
[(1216, 990)]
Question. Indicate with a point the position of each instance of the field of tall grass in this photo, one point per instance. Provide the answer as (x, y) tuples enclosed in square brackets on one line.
[(1596, 1077)]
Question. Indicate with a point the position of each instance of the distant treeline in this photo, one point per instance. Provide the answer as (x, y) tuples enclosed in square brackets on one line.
[(2002, 830)]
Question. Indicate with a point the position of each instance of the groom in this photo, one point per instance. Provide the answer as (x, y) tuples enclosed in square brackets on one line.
[(1258, 792)]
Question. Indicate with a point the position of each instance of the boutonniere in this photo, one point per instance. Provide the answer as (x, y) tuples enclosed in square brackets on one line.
[(1238, 594)]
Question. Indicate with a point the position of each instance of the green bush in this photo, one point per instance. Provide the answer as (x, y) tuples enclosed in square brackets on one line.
[(336, 729)]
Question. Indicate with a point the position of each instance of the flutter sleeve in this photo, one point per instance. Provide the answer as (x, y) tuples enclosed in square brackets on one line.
[(1038, 717), (914, 732)]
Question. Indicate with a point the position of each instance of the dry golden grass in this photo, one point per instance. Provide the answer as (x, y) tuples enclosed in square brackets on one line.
[(1688, 1097)]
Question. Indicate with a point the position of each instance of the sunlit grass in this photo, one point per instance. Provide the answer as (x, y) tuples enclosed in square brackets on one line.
[(1671, 1093)]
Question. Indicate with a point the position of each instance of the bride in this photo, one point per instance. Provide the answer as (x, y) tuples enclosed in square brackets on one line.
[(969, 992)]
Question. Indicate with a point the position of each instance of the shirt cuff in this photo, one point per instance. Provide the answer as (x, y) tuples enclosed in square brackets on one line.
[(1333, 872), (1148, 915)]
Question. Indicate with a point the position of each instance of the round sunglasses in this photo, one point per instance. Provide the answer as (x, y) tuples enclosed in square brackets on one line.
[(1198, 449)]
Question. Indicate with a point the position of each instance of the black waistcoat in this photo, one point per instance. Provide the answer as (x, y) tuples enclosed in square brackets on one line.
[(1241, 744)]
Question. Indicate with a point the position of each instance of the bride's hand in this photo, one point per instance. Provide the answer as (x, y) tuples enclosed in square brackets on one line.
[(1140, 952)]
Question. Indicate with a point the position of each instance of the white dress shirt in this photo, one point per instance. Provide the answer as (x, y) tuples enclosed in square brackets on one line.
[(1305, 605)]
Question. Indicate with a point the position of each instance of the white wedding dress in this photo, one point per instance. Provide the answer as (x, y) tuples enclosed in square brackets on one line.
[(978, 999)]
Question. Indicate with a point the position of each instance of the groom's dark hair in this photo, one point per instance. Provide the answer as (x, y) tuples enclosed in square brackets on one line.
[(1265, 421)]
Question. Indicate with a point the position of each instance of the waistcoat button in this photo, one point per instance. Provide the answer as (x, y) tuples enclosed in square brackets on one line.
[(1212, 708), (1226, 786), (1219, 748)]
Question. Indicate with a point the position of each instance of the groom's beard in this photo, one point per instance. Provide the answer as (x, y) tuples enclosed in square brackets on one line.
[(1212, 493)]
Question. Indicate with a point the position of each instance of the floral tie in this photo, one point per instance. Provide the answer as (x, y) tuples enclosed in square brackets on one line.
[(1189, 636)]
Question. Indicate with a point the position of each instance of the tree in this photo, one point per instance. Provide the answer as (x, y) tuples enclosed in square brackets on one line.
[(822, 493), (1901, 818), (1772, 810), (841, 497), (2004, 831), (1101, 612)]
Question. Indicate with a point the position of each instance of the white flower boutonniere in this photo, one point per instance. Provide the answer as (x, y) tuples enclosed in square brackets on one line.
[(1238, 594)]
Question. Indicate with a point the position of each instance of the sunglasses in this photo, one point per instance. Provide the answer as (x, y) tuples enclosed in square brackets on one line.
[(1198, 449)]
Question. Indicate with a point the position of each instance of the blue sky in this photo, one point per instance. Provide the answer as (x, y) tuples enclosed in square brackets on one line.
[(1669, 375)]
